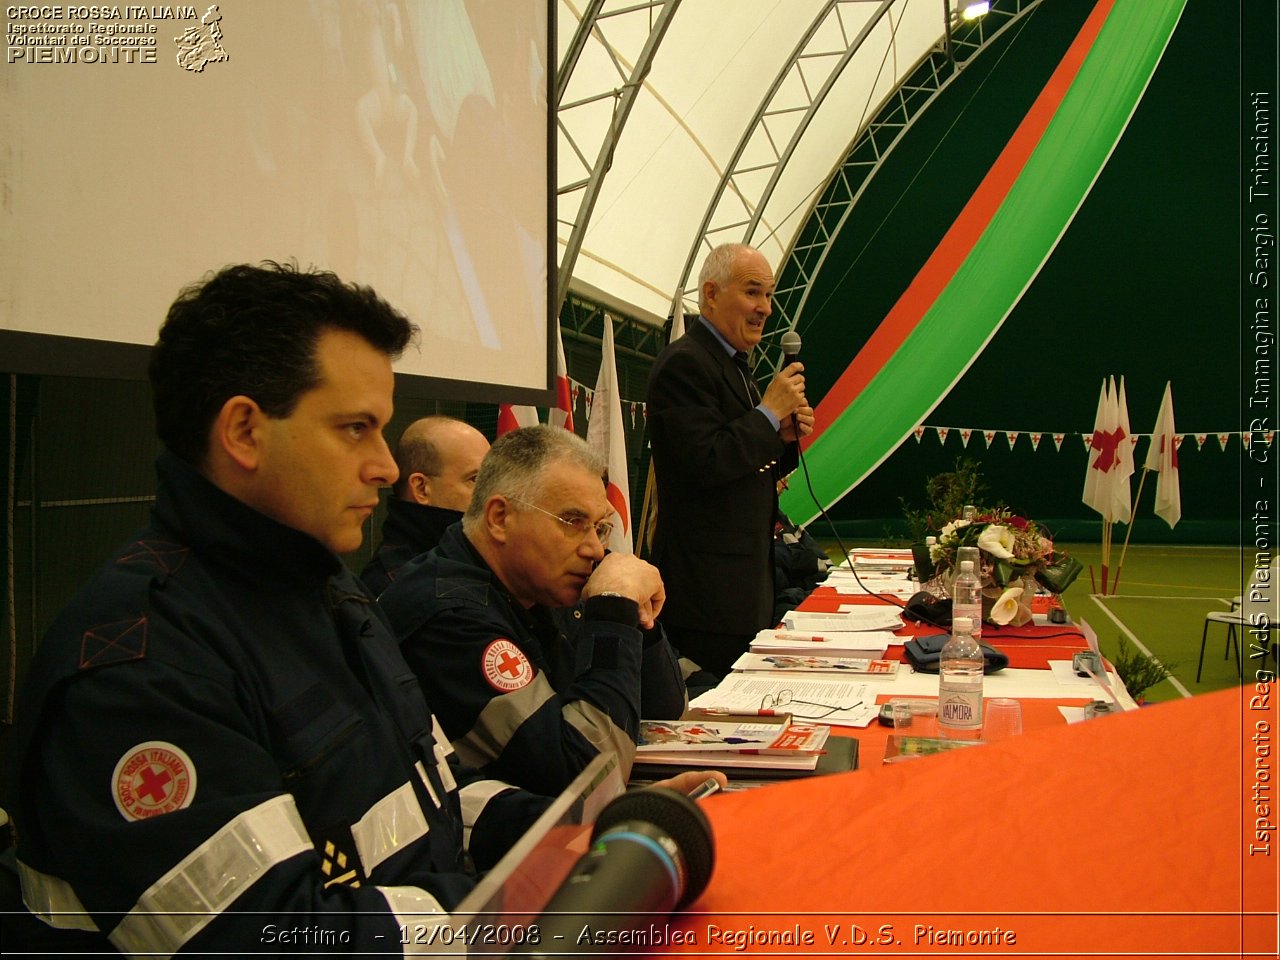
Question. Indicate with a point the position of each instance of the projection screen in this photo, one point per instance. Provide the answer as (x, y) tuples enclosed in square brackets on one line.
[(403, 144)]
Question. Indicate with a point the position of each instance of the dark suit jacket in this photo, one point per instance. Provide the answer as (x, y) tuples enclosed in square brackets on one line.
[(716, 461)]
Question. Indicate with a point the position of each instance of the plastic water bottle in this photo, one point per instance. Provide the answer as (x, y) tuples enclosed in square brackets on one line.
[(960, 683), (966, 597)]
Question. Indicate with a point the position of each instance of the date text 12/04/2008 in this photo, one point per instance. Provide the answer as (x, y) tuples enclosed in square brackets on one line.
[(445, 935)]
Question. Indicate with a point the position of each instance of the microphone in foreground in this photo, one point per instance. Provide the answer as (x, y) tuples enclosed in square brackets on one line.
[(652, 852)]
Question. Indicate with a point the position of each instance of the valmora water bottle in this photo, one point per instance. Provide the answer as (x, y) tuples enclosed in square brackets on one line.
[(966, 597), (960, 683)]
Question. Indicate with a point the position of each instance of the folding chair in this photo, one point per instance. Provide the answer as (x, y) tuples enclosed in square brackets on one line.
[(1257, 610)]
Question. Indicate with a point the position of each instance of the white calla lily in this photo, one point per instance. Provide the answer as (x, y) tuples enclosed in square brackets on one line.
[(997, 540), (1006, 608)]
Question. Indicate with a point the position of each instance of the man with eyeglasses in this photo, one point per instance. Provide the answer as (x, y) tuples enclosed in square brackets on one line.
[(439, 457), (536, 649)]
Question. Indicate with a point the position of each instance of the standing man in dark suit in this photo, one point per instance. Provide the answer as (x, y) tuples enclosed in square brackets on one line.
[(719, 448)]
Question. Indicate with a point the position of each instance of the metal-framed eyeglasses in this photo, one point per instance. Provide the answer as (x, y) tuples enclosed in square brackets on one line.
[(784, 702), (577, 527)]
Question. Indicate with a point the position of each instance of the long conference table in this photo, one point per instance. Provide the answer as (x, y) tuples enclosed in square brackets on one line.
[(1149, 831)]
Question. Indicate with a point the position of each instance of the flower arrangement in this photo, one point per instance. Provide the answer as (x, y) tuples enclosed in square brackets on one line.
[(1014, 554)]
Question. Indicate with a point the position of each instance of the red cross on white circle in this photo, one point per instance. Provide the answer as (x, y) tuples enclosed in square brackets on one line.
[(505, 666)]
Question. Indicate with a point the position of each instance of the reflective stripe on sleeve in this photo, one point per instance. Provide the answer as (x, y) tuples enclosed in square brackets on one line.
[(474, 798), (391, 824), (426, 782), (444, 750), (605, 735), (424, 924), (182, 902), (498, 722), (52, 900)]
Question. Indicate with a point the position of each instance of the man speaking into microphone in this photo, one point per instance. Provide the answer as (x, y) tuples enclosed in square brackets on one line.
[(719, 448)]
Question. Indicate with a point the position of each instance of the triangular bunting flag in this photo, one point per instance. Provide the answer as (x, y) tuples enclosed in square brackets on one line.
[(942, 433), (918, 433), (1200, 439), (989, 436), (1013, 437), (1057, 441), (1222, 441), (1035, 440), (965, 434)]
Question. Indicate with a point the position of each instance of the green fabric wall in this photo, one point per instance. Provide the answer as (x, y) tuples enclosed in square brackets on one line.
[(1143, 283)]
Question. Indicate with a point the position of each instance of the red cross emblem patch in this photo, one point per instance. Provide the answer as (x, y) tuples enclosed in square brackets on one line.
[(505, 666), (153, 778)]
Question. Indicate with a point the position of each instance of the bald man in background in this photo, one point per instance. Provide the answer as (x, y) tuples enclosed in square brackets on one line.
[(439, 457)]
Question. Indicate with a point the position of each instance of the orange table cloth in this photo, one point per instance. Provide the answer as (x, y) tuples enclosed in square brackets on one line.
[(1148, 831)]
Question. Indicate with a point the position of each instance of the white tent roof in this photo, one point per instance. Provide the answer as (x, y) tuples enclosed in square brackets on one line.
[(712, 76)]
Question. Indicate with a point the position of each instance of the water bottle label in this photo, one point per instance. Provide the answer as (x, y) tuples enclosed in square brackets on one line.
[(960, 710)]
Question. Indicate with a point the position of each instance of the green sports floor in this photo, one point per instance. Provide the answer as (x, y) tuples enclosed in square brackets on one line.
[(1164, 593)]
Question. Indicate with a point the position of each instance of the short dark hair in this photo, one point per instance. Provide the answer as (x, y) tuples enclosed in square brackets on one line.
[(252, 330)]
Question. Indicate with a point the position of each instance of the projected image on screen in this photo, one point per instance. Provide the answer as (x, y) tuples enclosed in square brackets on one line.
[(399, 143)]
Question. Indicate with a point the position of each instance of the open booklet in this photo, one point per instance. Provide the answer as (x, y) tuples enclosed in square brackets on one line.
[(747, 747), (747, 742)]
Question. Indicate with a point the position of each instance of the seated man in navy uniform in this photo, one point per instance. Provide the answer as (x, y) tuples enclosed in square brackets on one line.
[(799, 563), (438, 457), (218, 734), (536, 650)]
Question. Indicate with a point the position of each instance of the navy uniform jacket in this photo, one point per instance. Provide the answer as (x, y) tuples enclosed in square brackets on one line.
[(528, 696), (410, 529), (799, 565), (717, 460), (219, 733)]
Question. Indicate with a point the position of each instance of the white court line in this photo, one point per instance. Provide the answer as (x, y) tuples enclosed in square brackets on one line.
[(1177, 684), (1225, 601)]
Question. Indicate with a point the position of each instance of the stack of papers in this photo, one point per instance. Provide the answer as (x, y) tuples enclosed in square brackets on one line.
[(808, 663), (846, 584), (813, 698), (868, 644), (780, 743), (868, 618)]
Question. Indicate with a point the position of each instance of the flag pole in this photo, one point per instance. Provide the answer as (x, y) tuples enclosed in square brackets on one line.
[(1106, 553), (1128, 533), (644, 533)]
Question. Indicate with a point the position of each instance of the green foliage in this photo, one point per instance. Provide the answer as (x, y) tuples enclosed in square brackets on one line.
[(947, 495), (1138, 670)]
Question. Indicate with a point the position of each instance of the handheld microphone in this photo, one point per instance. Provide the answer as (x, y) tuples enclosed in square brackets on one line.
[(652, 852), (790, 347), (790, 354)]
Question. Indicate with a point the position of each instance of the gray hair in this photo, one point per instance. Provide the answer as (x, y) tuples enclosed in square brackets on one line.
[(718, 268), (515, 464)]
